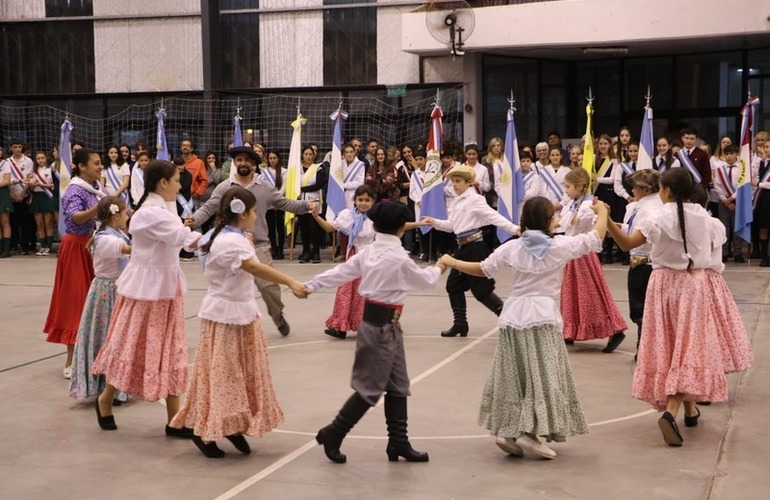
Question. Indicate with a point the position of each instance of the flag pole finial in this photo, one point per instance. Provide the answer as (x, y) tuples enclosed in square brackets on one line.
[(340, 106), (648, 96), (590, 97), (238, 108), (512, 101)]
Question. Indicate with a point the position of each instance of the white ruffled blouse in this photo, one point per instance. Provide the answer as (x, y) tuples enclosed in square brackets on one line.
[(153, 272)]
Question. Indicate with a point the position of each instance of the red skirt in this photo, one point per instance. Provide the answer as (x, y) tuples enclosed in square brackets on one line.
[(74, 273), (587, 307), (348, 306)]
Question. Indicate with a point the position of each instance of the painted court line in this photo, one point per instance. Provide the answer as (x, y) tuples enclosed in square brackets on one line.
[(312, 443)]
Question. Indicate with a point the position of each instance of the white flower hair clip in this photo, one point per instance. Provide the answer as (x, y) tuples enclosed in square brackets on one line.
[(237, 206), (114, 209)]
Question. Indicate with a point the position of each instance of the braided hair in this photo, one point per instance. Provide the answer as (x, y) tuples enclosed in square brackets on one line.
[(103, 215), (155, 171), (225, 214), (679, 181)]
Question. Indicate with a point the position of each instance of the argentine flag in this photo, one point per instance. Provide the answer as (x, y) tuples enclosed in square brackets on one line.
[(335, 197), (237, 134), (160, 143), (646, 141), (511, 181)]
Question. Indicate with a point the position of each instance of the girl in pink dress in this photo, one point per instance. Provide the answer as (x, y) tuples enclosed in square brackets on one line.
[(231, 391), (587, 306), (145, 352), (680, 356)]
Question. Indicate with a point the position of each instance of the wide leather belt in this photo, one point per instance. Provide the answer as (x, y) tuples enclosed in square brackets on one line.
[(379, 314), (638, 260), (470, 238)]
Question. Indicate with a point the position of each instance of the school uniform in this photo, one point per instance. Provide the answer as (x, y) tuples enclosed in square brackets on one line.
[(230, 390), (587, 307), (276, 227), (725, 186), (6, 206), (113, 176), (109, 261), (620, 185), (416, 187), (145, 353), (760, 172), (312, 180), (679, 352), (468, 215), (663, 163), (604, 191), (530, 387), (22, 220), (137, 185), (702, 163), (43, 199), (554, 182), (533, 186)]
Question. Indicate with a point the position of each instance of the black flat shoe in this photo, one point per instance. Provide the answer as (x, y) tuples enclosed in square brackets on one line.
[(614, 342), (703, 403), (692, 421), (240, 443), (670, 431), (211, 450), (337, 334), (569, 341), (106, 423), (184, 432)]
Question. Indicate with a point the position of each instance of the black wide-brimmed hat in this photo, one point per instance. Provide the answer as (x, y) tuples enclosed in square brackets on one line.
[(247, 151)]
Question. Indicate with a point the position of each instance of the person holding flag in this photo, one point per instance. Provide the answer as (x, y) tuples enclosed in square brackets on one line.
[(726, 180), (245, 161), (744, 215)]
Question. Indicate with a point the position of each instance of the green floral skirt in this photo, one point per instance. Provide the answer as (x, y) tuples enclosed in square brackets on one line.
[(530, 387)]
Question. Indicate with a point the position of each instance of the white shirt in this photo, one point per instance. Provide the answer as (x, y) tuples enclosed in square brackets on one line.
[(106, 253), (153, 273), (617, 180), (641, 211), (230, 296), (609, 176), (533, 186), (137, 184), (482, 177), (718, 232), (755, 172), (387, 272), (359, 175), (344, 222), (536, 281), (46, 174), (25, 165), (730, 175), (415, 191), (662, 230), (577, 217), (470, 211), (559, 175), (120, 172)]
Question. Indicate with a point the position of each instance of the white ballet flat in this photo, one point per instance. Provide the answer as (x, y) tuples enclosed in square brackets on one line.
[(509, 446), (538, 448)]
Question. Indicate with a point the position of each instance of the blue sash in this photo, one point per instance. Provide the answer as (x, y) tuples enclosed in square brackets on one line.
[(684, 159), (269, 176), (353, 171), (627, 168), (187, 206), (551, 182)]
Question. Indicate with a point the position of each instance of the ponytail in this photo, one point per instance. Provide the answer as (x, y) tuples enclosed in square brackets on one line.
[(680, 182), (680, 214)]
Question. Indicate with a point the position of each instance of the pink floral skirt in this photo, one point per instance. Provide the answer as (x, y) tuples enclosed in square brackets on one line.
[(348, 309), (587, 307), (231, 390), (680, 350), (737, 354), (145, 352)]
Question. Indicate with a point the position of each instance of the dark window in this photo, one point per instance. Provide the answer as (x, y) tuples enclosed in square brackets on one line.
[(603, 77), (239, 45), (47, 58), (501, 75), (68, 8), (350, 44), (709, 80)]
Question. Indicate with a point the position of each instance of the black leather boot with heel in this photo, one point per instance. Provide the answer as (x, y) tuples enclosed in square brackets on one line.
[(460, 323), (332, 435), (398, 441)]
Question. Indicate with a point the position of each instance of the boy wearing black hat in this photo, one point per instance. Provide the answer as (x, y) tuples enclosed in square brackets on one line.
[(467, 216), (387, 275)]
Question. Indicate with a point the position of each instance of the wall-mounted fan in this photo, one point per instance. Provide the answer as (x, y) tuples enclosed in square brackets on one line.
[(450, 23)]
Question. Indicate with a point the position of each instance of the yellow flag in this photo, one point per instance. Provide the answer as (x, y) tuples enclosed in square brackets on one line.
[(588, 148), (294, 174)]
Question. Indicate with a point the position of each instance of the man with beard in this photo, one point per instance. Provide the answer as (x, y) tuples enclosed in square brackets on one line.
[(245, 162)]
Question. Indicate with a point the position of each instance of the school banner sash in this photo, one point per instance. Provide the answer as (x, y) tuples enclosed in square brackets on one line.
[(765, 178), (551, 182), (42, 181), (627, 168), (726, 180), (16, 172), (684, 159), (353, 171), (187, 206), (269, 176)]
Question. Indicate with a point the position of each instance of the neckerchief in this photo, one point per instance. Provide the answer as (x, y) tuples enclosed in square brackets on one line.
[(536, 242)]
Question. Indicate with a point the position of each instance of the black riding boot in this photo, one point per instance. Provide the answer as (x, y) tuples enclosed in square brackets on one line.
[(332, 435), (460, 325), (607, 251), (398, 441), (493, 303)]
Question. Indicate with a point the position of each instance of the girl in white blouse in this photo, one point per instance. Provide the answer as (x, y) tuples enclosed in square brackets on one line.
[(680, 357), (230, 391), (145, 353), (530, 392)]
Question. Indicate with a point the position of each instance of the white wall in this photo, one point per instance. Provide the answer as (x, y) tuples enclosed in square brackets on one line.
[(26, 9), (394, 66), (595, 22)]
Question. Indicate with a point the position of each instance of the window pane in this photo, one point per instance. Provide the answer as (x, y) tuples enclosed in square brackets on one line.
[(501, 75), (709, 80), (238, 4), (603, 77), (655, 72), (57, 57), (350, 45), (68, 8), (239, 62), (759, 62)]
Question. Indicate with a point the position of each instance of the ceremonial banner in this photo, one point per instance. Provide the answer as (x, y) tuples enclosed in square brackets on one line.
[(237, 134), (511, 181), (588, 148), (335, 201), (646, 141), (744, 214), (65, 165), (432, 204), (160, 143), (294, 172)]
